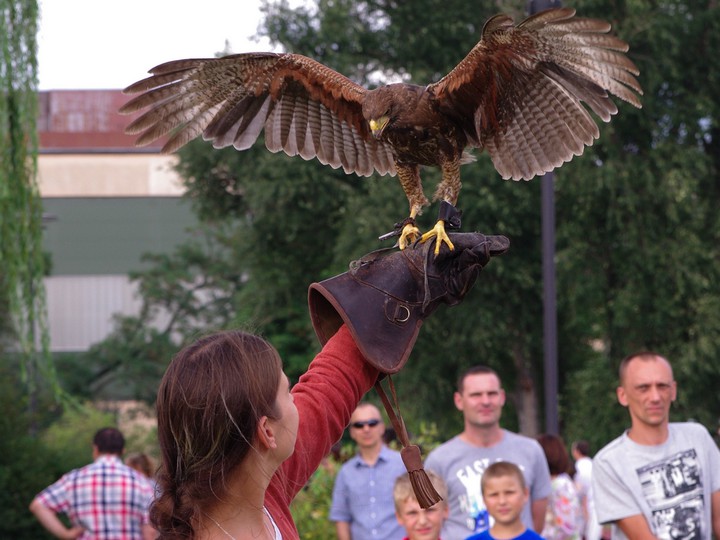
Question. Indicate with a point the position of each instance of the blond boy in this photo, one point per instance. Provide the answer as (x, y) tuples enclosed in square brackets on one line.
[(505, 494), (420, 524)]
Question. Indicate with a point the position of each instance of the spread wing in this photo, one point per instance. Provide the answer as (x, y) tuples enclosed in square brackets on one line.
[(518, 93), (305, 108)]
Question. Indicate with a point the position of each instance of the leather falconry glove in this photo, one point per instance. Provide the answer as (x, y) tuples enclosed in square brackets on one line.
[(385, 297)]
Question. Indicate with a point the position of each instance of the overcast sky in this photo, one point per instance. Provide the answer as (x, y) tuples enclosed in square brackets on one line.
[(85, 44)]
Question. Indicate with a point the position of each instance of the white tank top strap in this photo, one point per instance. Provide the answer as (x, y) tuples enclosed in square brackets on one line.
[(278, 535)]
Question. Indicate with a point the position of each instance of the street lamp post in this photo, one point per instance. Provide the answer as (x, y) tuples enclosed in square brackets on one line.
[(550, 354)]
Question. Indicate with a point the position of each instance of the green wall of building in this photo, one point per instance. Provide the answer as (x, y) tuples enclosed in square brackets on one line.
[(109, 235)]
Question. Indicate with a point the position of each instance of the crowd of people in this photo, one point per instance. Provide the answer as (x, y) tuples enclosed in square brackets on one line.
[(238, 442), (656, 480)]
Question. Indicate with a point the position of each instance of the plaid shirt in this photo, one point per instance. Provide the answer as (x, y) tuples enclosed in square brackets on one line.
[(109, 499)]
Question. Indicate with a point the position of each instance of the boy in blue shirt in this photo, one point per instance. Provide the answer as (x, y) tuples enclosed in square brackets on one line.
[(505, 493)]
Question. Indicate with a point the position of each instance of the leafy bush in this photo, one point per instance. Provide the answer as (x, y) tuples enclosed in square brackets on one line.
[(26, 467), (311, 507), (70, 437)]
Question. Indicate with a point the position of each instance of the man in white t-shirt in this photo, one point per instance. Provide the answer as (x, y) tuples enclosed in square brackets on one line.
[(658, 479)]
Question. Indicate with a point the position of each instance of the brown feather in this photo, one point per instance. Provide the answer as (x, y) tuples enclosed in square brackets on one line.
[(503, 81)]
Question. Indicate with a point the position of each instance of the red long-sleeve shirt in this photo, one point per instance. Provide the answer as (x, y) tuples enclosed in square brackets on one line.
[(325, 396)]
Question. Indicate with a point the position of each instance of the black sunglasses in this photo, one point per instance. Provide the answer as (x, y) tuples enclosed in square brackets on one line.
[(371, 423)]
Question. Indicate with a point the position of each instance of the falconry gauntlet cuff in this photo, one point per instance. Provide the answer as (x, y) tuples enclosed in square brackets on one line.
[(386, 295)]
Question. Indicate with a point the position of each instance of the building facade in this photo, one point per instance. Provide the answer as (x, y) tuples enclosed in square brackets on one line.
[(105, 203)]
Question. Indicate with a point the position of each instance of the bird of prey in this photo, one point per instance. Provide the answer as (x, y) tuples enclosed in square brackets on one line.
[(518, 94)]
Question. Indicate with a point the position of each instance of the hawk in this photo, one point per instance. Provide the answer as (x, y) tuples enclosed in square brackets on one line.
[(518, 94)]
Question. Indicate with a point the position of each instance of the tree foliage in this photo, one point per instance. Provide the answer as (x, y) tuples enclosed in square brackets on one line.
[(639, 260), (22, 263)]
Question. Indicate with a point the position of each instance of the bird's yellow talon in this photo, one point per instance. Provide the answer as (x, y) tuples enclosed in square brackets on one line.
[(439, 232), (409, 234)]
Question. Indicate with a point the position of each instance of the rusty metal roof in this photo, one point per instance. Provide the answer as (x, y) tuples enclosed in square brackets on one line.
[(79, 121)]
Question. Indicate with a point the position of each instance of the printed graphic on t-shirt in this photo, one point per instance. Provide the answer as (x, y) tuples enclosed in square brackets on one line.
[(673, 490)]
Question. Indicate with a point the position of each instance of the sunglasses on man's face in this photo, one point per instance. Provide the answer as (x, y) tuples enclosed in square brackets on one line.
[(370, 423)]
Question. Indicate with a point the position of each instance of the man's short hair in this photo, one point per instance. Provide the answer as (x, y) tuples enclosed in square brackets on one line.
[(640, 355), (109, 441), (502, 468), (402, 491), (475, 370)]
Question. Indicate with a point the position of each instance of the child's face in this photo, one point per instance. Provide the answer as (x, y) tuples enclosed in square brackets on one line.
[(422, 524), (504, 498)]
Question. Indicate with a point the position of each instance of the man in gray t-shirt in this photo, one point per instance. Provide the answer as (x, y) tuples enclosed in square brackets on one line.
[(462, 460), (658, 479)]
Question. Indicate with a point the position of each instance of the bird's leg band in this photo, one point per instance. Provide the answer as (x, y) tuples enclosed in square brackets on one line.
[(450, 215), (398, 228)]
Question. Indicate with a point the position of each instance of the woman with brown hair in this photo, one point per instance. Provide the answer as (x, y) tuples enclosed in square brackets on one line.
[(563, 519), (238, 442)]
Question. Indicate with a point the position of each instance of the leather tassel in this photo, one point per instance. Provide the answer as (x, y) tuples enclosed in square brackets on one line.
[(425, 492)]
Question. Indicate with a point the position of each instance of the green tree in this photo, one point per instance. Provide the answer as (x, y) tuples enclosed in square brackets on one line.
[(271, 223), (638, 249), (184, 294), (22, 263)]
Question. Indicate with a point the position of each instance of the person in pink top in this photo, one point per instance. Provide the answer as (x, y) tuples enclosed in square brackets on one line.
[(238, 442), (563, 518)]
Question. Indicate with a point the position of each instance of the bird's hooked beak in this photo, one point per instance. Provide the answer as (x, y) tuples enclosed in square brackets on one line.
[(378, 126)]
